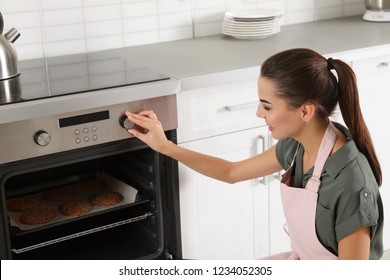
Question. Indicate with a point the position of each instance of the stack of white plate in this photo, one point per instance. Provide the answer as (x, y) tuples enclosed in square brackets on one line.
[(251, 24)]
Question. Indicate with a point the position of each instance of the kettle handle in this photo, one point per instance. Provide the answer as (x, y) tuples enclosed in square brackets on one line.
[(12, 35), (1, 23)]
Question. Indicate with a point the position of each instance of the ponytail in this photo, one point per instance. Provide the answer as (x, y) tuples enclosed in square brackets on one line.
[(352, 115)]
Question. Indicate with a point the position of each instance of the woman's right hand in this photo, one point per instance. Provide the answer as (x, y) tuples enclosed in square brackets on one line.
[(151, 132)]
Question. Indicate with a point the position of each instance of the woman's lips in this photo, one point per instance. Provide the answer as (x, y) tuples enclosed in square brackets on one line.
[(271, 128)]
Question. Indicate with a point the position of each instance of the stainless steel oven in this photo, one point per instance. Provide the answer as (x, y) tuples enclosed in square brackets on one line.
[(65, 150)]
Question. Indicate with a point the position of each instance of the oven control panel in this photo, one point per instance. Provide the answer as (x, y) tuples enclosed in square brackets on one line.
[(53, 134)]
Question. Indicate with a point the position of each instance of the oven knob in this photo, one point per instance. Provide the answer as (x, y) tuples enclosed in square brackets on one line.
[(42, 138), (125, 123)]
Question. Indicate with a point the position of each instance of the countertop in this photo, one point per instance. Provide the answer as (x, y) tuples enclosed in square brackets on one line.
[(212, 60), (187, 59)]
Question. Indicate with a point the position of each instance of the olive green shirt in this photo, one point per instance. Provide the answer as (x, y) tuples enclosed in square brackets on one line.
[(348, 197)]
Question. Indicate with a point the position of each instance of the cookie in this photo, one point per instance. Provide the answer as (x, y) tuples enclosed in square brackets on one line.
[(75, 208), (106, 199), (38, 216), (59, 194), (24, 203)]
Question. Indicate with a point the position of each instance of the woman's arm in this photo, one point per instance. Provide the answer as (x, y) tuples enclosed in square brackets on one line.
[(355, 246), (217, 168)]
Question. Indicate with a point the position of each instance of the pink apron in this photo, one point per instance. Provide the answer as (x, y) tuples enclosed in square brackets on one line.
[(299, 206)]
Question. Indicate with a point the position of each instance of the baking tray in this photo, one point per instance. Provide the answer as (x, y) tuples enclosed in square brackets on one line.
[(111, 184)]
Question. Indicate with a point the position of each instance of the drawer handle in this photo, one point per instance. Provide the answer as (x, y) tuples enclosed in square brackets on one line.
[(265, 179), (241, 106), (384, 64)]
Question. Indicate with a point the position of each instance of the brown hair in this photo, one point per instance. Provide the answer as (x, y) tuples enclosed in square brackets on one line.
[(302, 75)]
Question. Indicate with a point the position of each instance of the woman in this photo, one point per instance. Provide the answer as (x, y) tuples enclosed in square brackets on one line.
[(330, 191)]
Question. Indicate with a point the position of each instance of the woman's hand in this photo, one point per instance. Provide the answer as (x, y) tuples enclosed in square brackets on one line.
[(152, 134)]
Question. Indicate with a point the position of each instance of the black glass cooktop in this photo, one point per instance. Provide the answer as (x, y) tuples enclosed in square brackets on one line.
[(73, 74)]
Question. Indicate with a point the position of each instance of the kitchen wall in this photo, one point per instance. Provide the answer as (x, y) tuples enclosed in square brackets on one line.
[(50, 28)]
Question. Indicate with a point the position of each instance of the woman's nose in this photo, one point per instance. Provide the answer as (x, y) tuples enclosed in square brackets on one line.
[(260, 112)]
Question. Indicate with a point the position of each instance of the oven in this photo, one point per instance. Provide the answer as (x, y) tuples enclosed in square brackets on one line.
[(74, 184)]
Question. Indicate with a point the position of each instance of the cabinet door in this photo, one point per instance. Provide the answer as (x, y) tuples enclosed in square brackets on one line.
[(278, 239), (374, 87), (219, 220)]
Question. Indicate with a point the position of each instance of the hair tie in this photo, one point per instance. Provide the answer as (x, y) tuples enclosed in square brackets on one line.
[(330, 63)]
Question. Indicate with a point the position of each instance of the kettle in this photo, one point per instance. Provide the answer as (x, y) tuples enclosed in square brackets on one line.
[(377, 10), (377, 5), (10, 88)]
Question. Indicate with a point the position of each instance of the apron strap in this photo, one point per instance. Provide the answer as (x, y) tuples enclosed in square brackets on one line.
[(295, 155), (323, 153)]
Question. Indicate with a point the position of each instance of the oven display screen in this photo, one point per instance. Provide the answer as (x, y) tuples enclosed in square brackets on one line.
[(86, 118)]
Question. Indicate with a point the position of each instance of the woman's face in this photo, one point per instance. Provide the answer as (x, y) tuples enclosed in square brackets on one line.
[(282, 120)]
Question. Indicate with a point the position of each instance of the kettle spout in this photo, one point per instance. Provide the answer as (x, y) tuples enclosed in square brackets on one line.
[(12, 35)]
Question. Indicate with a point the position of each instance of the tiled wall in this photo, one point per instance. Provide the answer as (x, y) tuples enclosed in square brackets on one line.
[(52, 27)]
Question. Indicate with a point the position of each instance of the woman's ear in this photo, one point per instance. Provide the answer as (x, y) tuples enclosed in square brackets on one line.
[(307, 111)]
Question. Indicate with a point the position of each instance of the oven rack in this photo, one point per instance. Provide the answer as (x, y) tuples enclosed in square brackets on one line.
[(82, 233)]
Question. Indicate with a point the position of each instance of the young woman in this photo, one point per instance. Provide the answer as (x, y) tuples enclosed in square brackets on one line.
[(330, 190)]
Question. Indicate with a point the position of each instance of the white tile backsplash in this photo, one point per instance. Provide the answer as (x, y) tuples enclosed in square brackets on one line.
[(141, 38), (327, 3), (61, 17), (275, 4), (30, 19), (298, 16), (103, 28), (297, 5), (100, 2), (58, 5), (102, 13), (31, 50), (50, 28), (209, 15), (30, 36), (176, 33), (64, 33), (140, 9), (174, 6), (9, 6), (103, 43), (175, 20), (207, 4), (208, 28), (328, 12), (64, 47), (140, 24)]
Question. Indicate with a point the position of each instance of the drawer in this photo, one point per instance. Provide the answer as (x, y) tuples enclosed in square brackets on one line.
[(217, 110), (374, 65)]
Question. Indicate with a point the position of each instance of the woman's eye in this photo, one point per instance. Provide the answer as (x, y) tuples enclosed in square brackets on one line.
[(266, 108)]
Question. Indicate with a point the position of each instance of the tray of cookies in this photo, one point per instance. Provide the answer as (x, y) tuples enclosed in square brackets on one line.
[(78, 199)]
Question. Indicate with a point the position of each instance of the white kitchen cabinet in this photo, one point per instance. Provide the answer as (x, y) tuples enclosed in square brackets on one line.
[(373, 76), (220, 220)]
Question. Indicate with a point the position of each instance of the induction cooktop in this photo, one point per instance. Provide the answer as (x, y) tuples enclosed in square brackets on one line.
[(79, 73)]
